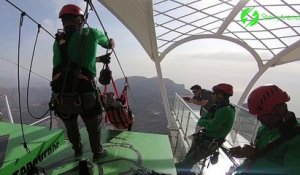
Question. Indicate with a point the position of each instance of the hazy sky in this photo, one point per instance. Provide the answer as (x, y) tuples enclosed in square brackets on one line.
[(205, 62)]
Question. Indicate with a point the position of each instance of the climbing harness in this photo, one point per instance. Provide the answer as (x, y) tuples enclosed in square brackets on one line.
[(67, 98)]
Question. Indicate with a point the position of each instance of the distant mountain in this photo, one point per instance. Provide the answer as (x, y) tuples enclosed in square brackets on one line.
[(145, 101), (38, 102), (11, 82)]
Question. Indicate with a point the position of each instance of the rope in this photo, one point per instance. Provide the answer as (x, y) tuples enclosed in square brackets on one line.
[(18, 65), (30, 70), (19, 92), (29, 75)]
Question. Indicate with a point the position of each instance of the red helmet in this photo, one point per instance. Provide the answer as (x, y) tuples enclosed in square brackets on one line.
[(227, 88), (70, 9), (263, 99)]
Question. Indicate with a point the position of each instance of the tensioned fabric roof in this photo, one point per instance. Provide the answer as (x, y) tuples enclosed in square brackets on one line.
[(266, 28)]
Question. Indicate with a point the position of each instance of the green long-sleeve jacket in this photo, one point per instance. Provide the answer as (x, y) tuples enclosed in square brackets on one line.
[(92, 38), (219, 123), (283, 159)]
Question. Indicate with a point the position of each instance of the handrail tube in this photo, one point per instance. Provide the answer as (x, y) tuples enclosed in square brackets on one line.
[(186, 105)]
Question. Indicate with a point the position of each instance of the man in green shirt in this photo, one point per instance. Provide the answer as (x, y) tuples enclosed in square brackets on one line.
[(74, 60), (215, 124), (276, 148)]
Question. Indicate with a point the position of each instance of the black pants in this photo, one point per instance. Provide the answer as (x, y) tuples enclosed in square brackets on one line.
[(93, 128), (92, 117), (201, 148)]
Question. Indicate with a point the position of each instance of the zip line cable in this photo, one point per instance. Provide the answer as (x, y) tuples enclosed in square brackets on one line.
[(30, 18), (24, 68), (96, 13)]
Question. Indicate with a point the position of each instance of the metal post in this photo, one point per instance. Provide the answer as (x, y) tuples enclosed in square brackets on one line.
[(163, 93), (10, 118)]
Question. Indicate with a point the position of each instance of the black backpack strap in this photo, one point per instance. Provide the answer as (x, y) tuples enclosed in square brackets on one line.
[(78, 67), (62, 40)]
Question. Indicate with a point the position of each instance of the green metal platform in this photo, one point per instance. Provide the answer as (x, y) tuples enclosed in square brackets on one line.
[(41, 143), (127, 152)]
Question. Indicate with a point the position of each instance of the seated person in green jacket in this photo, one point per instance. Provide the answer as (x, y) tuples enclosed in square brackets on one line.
[(215, 124), (276, 148)]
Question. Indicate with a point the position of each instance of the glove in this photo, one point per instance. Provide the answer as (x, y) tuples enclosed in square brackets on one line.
[(248, 151), (105, 59), (239, 152), (236, 152), (111, 44)]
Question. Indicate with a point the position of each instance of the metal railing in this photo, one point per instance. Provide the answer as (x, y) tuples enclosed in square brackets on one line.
[(185, 118), (245, 124)]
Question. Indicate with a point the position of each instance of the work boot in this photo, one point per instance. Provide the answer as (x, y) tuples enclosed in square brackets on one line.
[(78, 151), (99, 155)]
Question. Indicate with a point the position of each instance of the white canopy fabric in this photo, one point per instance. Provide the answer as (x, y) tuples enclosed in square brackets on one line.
[(137, 16)]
